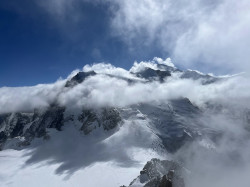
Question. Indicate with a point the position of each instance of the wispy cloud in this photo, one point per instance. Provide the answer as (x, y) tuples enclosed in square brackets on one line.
[(213, 33)]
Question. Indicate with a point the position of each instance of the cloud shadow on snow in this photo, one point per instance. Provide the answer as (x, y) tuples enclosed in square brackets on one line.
[(74, 151)]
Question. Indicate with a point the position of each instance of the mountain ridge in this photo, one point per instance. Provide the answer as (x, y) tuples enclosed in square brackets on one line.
[(127, 118)]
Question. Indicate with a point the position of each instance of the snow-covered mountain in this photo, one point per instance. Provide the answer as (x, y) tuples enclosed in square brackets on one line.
[(101, 125)]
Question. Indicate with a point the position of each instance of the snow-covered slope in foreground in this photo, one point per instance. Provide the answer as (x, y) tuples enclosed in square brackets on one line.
[(154, 125), (70, 158)]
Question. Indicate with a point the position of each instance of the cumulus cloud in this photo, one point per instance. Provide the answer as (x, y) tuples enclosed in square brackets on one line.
[(109, 69), (214, 33), (137, 67)]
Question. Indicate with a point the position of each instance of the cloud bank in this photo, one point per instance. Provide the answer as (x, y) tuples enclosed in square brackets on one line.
[(105, 90)]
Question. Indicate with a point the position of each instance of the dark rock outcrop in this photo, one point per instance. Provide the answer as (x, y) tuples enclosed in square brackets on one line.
[(24, 127), (160, 173), (205, 78), (108, 118), (151, 74), (79, 78), (19, 129), (89, 121)]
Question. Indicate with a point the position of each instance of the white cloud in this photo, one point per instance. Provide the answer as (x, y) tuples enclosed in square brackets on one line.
[(214, 33), (102, 90), (27, 98), (167, 62), (137, 67), (104, 68)]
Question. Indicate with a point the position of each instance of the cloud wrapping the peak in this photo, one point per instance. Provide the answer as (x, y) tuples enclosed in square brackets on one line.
[(104, 68), (104, 90)]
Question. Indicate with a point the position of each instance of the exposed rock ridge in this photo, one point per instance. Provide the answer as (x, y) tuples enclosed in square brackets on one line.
[(160, 173)]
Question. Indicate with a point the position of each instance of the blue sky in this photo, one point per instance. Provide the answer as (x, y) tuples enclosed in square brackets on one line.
[(33, 49), (43, 40)]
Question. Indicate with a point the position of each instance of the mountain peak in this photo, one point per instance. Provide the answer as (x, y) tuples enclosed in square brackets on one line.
[(79, 78)]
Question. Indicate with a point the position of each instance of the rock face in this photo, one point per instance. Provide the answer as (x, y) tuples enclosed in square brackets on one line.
[(175, 123), (165, 71), (151, 74), (89, 121), (79, 78), (108, 118), (160, 173), (19, 129), (205, 79), (24, 127)]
